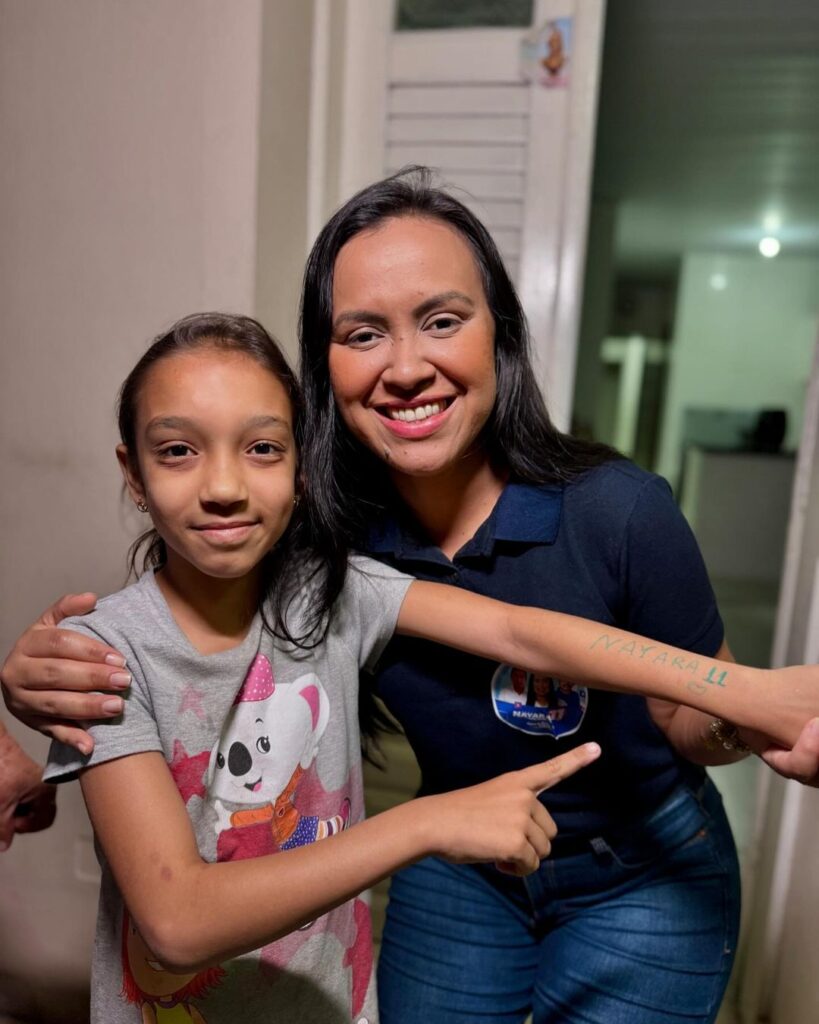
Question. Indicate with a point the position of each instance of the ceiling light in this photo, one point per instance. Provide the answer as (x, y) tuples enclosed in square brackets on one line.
[(769, 246), (719, 282)]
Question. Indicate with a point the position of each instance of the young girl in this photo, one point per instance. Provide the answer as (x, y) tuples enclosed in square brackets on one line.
[(227, 800)]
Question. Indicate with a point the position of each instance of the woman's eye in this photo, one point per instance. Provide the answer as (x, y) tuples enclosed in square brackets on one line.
[(363, 338), (443, 323)]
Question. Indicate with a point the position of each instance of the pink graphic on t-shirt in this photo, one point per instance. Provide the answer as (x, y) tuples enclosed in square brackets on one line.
[(191, 700), (188, 771), (258, 684)]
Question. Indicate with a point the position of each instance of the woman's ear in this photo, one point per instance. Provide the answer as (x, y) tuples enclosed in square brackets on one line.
[(130, 475)]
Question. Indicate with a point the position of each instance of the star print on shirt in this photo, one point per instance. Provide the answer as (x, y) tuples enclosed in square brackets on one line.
[(188, 771), (191, 700)]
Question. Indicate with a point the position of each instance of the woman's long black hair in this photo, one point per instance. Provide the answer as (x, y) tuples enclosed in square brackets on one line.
[(350, 485)]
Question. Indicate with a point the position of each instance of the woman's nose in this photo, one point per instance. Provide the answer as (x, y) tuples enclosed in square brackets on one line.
[(408, 366)]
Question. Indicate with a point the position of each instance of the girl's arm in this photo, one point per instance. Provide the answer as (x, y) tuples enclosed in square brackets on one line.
[(779, 703), (689, 730), (192, 913), (52, 678)]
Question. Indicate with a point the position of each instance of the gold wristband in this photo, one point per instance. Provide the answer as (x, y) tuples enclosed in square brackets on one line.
[(726, 736)]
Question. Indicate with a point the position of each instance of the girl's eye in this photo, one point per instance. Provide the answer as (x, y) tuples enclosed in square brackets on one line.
[(263, 745), (266, 449), (176, 451)]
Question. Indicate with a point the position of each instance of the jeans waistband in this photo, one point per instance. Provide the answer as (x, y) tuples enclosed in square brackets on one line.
[(677, 818)]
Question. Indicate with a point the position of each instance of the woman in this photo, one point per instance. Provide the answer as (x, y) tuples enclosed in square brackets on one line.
[(426, 426)]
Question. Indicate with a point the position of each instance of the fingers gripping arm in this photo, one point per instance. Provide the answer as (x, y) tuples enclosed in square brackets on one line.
[(53, 677)]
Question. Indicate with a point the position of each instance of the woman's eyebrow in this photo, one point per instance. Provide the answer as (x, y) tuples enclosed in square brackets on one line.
[(438, 300), (360, 316), (368, 316)]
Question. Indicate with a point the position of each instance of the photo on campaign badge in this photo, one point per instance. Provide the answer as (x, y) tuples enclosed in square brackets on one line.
[(541, 705)]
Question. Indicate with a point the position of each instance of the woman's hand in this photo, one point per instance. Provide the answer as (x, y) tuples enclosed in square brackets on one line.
[(800, 762), (52, 677), (502, 820)]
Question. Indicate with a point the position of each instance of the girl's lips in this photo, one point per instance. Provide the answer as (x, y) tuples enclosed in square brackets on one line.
[(226, 534), (417, 429)]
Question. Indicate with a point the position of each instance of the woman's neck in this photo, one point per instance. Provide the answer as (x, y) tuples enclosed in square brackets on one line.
[(452, 505), (214, 614)]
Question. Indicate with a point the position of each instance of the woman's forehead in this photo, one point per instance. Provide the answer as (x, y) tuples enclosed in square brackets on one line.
[(402, 255)]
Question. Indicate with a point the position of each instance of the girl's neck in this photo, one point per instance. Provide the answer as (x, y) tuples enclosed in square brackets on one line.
[(452, 505), (214, 614)]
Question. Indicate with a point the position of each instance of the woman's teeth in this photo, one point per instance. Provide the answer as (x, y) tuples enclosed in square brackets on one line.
[(420, 412)]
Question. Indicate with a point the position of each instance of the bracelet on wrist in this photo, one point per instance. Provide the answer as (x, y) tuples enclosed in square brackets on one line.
[(723, 735)]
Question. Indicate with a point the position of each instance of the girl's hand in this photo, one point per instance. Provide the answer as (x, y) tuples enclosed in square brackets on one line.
[(502, 820), (50, 676)]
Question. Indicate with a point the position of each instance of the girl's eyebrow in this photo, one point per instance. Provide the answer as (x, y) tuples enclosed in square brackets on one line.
[(367, 316), (184, 423)]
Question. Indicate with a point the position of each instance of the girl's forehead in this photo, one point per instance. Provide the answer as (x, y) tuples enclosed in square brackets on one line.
[(210, 377)]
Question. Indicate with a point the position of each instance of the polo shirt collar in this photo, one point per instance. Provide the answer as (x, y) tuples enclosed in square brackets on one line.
[(524, 514)]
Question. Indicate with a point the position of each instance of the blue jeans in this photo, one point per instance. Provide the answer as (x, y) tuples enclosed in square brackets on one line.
[(636, 930)]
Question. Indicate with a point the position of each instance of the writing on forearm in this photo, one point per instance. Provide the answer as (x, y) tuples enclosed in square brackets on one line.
[(698, 674)]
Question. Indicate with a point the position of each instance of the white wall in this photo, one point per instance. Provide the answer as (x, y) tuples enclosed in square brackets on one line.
[(128, 134), (744, 347)]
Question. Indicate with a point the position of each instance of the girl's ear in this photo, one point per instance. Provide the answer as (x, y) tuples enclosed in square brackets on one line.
[(131, 476)]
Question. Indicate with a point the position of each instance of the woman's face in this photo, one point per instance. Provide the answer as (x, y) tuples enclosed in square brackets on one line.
[(412, 353)]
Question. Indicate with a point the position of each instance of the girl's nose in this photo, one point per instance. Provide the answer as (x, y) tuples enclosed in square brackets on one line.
[(224, 483), (408, 367)]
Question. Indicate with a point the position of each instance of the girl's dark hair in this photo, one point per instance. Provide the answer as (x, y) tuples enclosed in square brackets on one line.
[(519, 436), (291, 557)]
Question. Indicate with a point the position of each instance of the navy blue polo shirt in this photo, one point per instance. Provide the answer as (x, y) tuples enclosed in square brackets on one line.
[(611, 545)]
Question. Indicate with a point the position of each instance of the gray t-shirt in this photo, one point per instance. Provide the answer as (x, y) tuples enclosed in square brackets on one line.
[(263, 744)]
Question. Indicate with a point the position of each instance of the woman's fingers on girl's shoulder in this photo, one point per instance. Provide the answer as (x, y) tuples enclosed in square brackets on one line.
[(68, 604), (69, 733), (539, 777), (63, 644)]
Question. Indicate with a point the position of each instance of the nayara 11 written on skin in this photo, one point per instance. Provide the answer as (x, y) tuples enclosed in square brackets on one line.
[(698, 683)]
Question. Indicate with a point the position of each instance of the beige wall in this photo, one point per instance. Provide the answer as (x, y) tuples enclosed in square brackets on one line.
[(128, 196)]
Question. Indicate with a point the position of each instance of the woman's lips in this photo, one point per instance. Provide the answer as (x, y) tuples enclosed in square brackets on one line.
[(416, 428)]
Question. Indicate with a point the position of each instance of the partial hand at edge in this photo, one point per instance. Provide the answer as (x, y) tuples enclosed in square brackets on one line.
[(800, 763)]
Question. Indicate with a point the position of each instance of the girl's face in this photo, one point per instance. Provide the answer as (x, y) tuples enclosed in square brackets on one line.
[(412, 360), (215, 459)]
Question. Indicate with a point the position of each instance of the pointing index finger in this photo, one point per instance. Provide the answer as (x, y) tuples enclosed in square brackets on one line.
[(549, 773)]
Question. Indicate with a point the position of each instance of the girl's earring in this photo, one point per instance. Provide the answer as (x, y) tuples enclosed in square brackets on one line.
[(296, 501), (142, 505)]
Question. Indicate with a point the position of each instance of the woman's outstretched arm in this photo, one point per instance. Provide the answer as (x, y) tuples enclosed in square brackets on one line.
[(776, 703)]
